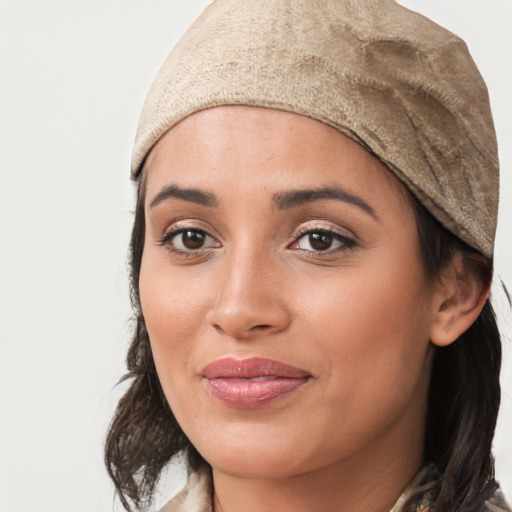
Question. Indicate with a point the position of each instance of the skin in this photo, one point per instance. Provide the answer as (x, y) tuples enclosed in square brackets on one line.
[(357, 316)]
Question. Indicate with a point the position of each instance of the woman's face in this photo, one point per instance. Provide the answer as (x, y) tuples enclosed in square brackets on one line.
[(284, 295)]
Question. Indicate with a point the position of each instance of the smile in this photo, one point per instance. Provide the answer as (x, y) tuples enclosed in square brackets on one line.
[(252, 383)]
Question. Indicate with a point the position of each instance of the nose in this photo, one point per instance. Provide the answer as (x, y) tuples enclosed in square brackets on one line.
[(249, 299)]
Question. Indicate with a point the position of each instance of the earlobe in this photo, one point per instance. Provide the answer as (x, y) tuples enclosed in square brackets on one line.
[(461, 295)]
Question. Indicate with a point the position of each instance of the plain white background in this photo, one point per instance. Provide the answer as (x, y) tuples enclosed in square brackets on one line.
[(73, 76)]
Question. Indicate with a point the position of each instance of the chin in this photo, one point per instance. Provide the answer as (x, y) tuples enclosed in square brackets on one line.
[(258, 466), (244, 455)]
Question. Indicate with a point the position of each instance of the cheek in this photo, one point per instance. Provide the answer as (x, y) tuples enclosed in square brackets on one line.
[(353, 302), (174, 309), (371, 327), (371, 334)]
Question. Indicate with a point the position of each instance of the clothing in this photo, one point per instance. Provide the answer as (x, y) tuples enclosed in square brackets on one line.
[(196, 496), (386, 77)]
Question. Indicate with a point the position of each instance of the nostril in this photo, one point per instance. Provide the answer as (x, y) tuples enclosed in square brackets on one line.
[(254, 328), (260, 327), (218, 328)]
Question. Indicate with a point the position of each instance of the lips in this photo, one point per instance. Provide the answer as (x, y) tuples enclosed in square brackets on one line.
[(252, 383)]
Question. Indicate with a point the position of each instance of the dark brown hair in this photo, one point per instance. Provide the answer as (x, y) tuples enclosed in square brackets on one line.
[(464, 394)]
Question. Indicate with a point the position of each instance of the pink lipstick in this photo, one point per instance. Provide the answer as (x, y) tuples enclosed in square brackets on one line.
[(252, 383)]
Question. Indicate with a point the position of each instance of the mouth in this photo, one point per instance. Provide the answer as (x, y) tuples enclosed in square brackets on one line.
[(252, 383)]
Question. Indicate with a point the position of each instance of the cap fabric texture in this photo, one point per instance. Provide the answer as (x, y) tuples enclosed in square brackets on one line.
[(394, 81)]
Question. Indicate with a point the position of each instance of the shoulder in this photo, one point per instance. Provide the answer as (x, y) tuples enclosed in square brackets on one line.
[(497, 503), (420, 494), (196, 496)]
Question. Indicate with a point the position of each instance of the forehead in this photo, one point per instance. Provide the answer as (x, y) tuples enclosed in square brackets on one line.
[(263, 149)]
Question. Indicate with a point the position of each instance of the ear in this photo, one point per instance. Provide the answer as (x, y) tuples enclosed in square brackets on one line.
[(460, 296)]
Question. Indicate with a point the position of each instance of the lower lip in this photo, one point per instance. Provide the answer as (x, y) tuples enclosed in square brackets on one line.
[(252, 393)]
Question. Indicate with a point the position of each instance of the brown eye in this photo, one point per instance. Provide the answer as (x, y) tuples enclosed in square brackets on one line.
[(323, 241), (188, 240), (320, 241), (192, 239)]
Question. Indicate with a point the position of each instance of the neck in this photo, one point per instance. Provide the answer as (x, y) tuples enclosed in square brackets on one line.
[(368, 482)]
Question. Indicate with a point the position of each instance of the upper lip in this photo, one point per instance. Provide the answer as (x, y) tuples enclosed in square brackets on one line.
[(230, 367)]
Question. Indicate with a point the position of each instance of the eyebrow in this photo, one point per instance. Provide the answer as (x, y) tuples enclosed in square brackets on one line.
[(281, 200), (293, 198), (193, 195)]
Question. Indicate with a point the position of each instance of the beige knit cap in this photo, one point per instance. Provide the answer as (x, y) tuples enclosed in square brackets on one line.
[(389, 78)]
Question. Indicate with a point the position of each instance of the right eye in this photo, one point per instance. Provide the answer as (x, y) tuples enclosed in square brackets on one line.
[(188, 240)]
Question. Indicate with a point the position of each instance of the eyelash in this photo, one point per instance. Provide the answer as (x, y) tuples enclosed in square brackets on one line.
[(346, 243), (168, 237)]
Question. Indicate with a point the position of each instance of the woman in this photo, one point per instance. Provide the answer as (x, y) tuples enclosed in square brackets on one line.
[(311, 263)]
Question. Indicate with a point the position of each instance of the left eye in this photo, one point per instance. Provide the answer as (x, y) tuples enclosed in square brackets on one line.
[(321, 241), (187, 240)]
